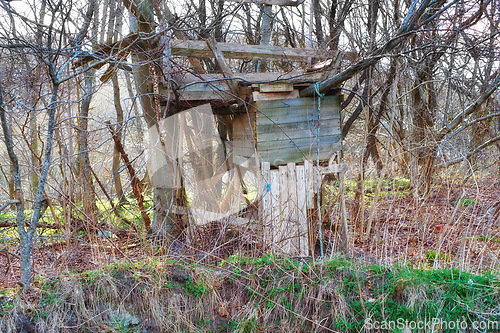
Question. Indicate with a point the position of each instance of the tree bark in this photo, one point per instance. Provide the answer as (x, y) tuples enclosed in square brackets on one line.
[(88, 192), (318, 29), (142, 21), (24, 241), (266, 31), (116, 154)]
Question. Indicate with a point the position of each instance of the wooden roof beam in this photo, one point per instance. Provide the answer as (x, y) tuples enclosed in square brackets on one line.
[(294, 3), (198, 48)]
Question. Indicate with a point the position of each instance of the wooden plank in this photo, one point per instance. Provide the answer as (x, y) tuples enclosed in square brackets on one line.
[(278, 116), (258, 96), (302, 211), (290, 107), (264, 119), (245, 162), (297, 145), (244, 152), (268, 119), (243, 135), (291, 157), (270, 2), (309, 171), (326, 142), (206, 95), (293, 226), (266, 203), (293, 77), (310, 191), (294, 109), (205, 86), (299, 113), (276, 210), (283, 228), (244, 148), (306, 146), (199, 48), (296, 125), (278, 87), (328, 100), (221, 61), (326, 134)]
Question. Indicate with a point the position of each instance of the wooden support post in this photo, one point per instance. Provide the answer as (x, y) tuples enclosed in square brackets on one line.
[(221, 61), (276, 211), (266, 203), (293, 225), (308, 169), (310, 190), (302, 211), (283, 228)]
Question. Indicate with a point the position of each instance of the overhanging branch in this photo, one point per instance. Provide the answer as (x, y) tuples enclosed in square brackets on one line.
[(472, 153)]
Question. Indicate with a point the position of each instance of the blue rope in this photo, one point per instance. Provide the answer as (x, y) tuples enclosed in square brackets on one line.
[(316, 88)]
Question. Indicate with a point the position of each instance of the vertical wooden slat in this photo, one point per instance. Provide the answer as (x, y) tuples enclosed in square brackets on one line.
[(302, 211), (266, 202), (275, 210), (311, 218), (283, 230), (293, 226), (309, 174)]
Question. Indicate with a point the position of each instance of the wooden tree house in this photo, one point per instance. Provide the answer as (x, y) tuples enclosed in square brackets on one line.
[(274, 129), (270, 127), (270, 121)]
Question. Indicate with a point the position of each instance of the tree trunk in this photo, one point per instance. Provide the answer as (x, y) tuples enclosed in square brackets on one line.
[(35, 164), (316, 8), (24, 241), (266, 31), (116, 155), (423, 146), (144, 71), (88, 192)]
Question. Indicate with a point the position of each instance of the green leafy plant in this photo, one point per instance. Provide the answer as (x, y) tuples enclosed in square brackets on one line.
[(195, 289), (432, 255)]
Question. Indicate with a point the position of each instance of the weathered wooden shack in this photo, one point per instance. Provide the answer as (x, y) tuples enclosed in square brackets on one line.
[(292, 140), (276, 121)]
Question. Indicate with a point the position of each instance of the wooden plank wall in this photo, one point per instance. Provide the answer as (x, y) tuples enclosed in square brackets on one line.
[(244, 153), (287, 129), (288, 194)]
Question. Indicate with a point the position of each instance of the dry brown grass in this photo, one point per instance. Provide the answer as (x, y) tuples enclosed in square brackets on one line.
[(266, 294)]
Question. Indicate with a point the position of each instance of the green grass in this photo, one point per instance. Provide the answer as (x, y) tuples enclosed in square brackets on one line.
[(465, 202), (432, 255), (391, 187), (269, 292), (484, 238)]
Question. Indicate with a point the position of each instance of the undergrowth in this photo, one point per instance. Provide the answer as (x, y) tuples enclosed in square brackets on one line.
[(241, 294)]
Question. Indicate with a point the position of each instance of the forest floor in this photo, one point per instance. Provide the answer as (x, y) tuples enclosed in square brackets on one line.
[(433, 259), (457, 227)]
